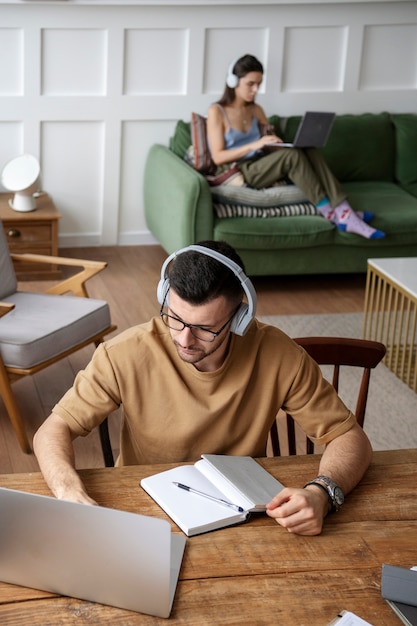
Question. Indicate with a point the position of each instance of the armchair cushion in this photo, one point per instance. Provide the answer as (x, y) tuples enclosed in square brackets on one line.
[(43, 326)]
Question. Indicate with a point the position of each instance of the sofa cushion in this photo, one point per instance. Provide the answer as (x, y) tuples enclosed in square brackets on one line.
[(286, 210), (411, 189), (275, 233), (394, 208), (360, 147), (395, 213), (181, 138), (42, 326), (280, 201), (406, 144)]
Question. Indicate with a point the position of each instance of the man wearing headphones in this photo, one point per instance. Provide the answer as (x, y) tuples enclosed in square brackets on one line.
[(206, 377)]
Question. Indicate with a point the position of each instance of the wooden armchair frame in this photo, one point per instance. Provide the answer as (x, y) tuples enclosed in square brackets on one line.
[(74, 284)]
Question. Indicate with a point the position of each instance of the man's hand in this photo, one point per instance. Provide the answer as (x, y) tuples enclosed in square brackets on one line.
[(75, 495), (52, 445), (344, 460), (300, 511)]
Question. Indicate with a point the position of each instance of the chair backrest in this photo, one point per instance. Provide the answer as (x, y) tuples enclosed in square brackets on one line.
[(8, 282), (336, 351)]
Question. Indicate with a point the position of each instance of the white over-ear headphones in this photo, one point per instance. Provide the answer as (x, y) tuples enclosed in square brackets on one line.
[(246, 311), (232, 80)]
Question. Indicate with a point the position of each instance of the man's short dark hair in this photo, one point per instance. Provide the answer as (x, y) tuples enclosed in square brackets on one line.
[(198, 278)]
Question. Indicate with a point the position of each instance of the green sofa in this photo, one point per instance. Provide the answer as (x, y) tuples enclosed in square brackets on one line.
[(373, 155)]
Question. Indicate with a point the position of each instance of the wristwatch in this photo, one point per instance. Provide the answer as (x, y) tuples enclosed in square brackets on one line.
[(334, 492)]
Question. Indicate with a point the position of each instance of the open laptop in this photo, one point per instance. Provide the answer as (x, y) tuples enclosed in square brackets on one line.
[(313, 131), (94, 553)]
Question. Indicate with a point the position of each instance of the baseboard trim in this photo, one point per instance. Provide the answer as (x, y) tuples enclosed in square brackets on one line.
[(142, 238)]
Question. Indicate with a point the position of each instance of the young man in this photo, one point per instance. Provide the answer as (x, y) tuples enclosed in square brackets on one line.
[(206, 377)]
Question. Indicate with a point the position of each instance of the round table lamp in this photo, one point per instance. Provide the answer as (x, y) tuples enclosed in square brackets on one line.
[(21, 175)]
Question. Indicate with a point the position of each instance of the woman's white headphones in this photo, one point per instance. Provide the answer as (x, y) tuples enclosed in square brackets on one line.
[(246, 311), (232, 80)]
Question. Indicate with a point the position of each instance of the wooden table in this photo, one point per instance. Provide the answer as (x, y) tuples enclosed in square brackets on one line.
[(390, 313), (257, 573), (33, 231)]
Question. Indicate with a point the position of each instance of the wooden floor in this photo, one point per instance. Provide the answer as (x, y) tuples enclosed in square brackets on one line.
[(129, 285)]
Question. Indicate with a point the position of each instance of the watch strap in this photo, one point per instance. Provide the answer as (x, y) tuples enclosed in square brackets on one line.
[(326, 491)]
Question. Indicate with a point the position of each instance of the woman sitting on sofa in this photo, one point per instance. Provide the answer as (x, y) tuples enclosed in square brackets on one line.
[(234, 134)]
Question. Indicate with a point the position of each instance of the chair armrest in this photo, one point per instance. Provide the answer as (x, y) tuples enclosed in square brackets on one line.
[(5, 307), (177, 200), (76, 283)]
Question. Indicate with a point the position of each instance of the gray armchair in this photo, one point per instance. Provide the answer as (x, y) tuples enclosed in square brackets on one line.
[(38, 329)]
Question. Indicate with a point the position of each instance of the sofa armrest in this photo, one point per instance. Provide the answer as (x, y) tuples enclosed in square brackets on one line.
[(177, 200)]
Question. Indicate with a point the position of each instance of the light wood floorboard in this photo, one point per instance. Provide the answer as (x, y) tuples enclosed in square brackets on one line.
[(129, 285)]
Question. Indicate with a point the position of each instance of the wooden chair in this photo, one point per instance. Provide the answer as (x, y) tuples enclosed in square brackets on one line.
[(335, 351), (39, 329), (106, 443)]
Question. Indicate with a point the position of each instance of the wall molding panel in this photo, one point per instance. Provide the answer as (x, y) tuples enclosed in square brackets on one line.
[(88, 86)]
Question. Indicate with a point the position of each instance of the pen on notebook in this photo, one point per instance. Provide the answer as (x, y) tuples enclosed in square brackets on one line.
[(236, 507)]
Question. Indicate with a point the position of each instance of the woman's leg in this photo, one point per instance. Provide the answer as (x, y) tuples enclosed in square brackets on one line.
[(329, 182), (283, 163), (332, 188), (309, 171), (335, 206)]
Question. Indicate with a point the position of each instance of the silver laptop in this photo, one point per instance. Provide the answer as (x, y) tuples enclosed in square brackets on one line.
[(94, 553), (313, 131)]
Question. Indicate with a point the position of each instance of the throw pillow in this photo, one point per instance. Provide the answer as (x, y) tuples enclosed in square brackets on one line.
[(284, 200), (181, 139), (226, 175), (202, 156), (286, 210)]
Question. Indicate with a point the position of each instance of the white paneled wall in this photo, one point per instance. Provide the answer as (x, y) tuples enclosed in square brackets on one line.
[(88, 85)]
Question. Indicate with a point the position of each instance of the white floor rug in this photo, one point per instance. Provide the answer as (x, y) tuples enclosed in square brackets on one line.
[(391, 414)]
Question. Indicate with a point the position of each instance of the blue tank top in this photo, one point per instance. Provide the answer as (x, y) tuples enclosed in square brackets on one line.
[(236, 138)]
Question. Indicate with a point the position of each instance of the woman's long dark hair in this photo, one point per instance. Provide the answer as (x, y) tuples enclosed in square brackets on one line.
[(243, 66)]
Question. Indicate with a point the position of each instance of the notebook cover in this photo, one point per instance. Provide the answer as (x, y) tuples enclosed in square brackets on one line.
[(247, 476), (406, 612), (399, 584)]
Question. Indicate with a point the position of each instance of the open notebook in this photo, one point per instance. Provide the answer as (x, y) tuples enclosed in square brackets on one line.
[(239, 481), (122, 559)]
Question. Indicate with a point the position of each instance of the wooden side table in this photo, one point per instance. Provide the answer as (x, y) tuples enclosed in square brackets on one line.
[(35, 232)]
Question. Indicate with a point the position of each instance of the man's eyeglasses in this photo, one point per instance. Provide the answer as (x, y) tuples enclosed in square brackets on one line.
[(199, 332)]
